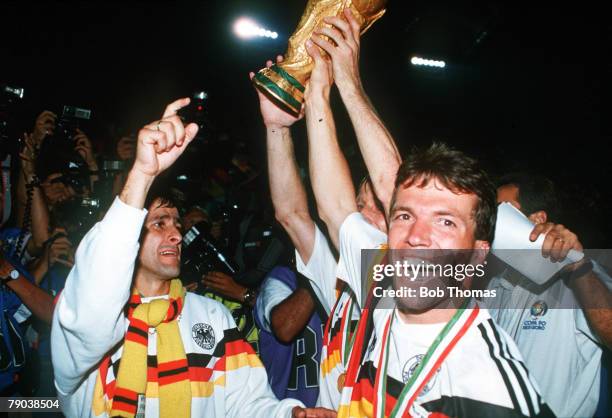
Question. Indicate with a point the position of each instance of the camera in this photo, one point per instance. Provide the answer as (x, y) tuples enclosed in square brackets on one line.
[(113, 167), (199, 255), (58, 152), (197, 112), (63, 138), (9, 97), (74, 176), (78, 216), (70, 121)]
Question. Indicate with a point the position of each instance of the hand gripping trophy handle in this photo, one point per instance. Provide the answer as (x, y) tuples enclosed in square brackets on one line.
[(284, 83)]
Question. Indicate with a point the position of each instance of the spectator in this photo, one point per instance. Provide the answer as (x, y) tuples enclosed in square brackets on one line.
[(290, 337), (577, 334)]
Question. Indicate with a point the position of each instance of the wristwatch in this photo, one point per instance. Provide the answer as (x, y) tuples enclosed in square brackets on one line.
[(13, 275), (249, 297)]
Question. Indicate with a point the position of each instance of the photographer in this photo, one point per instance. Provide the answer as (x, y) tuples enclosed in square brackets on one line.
[(218, 281), (84, 148), (69, 163), (18, 297)]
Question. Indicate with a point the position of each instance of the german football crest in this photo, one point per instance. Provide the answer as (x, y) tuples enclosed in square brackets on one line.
[(203, 335)]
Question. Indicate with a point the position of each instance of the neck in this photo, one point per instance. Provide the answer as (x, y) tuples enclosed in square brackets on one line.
[(149, 286)]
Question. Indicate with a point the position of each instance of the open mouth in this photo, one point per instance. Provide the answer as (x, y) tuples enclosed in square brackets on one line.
[(169, 253)]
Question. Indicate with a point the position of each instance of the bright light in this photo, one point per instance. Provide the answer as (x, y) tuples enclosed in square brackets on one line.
[(427, 62), (246, 28)]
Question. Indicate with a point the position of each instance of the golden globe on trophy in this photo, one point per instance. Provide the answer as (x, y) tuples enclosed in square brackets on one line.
[(284, 83)]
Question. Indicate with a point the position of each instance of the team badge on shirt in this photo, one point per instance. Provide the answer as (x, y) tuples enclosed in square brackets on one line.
[(203, 335), (410, 367), (537, 311)]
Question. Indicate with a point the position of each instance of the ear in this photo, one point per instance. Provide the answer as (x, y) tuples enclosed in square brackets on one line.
[(481, 250), (538, 217)]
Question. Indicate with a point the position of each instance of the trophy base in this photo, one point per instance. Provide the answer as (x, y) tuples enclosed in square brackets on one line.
[(281, 88)]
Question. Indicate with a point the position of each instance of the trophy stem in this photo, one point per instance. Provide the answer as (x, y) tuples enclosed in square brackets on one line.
[(280, 87)]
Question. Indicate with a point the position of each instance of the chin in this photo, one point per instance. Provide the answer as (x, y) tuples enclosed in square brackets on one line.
[(171, 272)]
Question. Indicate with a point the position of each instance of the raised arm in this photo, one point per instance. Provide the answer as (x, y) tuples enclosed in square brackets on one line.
[(286, 188), (39, 212), (89, 318), (329, 171), (377, 146)]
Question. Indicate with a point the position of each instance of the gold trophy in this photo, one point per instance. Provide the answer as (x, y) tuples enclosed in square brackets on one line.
[(284, 83)]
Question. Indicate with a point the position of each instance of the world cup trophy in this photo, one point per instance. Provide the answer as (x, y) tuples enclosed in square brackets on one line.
[(284, 83)]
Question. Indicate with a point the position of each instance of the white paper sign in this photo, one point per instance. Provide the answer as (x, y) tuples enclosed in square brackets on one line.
[(512, 232)]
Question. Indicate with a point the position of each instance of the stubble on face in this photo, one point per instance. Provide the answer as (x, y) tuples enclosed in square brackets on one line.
[(160, 251)]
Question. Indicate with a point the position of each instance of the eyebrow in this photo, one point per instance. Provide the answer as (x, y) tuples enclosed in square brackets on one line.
[(177, 220), (437, 213)]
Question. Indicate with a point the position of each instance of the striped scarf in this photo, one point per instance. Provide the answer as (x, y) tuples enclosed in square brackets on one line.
[(173, 379)]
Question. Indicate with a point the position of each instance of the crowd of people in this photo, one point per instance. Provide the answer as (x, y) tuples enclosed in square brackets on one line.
[(126, 293)]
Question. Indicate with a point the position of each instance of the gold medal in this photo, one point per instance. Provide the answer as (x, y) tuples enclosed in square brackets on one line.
[(341, 380)]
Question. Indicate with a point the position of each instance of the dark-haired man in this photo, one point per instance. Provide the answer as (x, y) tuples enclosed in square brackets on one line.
[(569, 374), (168, 353), (418, 358)]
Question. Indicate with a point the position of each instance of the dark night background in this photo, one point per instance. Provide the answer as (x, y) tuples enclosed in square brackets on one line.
[(524, 86)]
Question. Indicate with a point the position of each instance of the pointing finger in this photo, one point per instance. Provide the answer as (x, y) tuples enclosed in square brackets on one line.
[(175, 106)]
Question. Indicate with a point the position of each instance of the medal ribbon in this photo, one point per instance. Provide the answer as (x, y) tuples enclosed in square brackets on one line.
[(347, 339), (446, 340)]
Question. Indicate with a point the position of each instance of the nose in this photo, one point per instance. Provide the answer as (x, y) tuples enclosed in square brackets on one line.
[(174, 236), (419, 234)]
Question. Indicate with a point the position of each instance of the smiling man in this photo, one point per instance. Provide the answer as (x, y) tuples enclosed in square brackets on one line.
[(437, 354), (127, 340), (421, 356)]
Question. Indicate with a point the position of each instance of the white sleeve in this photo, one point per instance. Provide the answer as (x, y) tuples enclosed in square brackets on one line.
[(356, 234), (320, 270), (271, 294), (89, 319)]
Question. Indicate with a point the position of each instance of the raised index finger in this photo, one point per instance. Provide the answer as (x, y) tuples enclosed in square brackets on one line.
[(175, 106)]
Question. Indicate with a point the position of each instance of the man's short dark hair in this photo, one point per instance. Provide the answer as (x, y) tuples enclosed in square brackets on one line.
[(535, 192), (457, 172), (161, 193)]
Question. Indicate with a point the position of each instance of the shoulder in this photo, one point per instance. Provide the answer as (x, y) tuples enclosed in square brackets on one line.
[(491, 352), (355, 227), (206, 307)]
